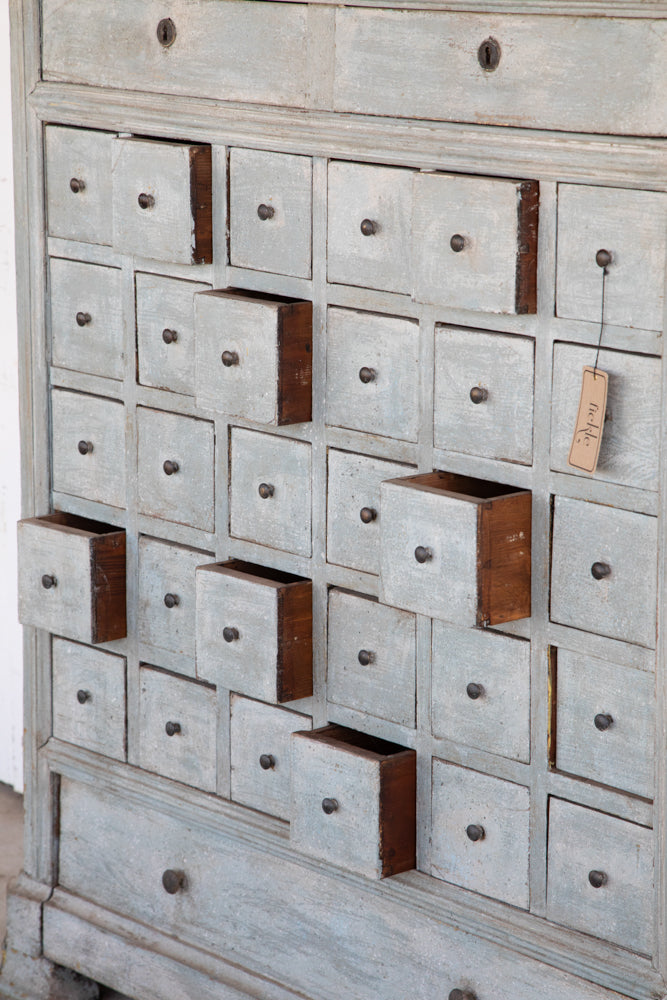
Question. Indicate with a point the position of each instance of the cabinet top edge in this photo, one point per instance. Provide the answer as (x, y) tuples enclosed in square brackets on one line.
[(581, 8)]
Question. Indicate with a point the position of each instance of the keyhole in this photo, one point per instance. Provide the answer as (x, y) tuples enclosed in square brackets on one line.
[(166, 32), (488, 55)]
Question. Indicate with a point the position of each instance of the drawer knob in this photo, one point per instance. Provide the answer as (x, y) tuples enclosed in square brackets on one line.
[(488, 55), (367, 375), (267, 762), (266, 490), (229, 359), (603, 721), (166, 32), (49, 581), (172, 728), (76, 185), (368, 514), (169, 336), (173, 881), (599, 570), (423, 554), (230, 634), (475, 832), (82, 696), (146, 200), (170, 467), (478, 394), (83, 319), (597, 879), (265, 212), (329, 806), (368, 227), (365, 657), (474, 691), (603, 258), (171, 600), (85, 447), (462, 995), (457, 242)]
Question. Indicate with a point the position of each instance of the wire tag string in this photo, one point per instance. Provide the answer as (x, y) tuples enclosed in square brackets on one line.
[(603, 260)]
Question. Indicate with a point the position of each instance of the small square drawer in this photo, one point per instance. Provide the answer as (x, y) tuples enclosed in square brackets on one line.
[(600, 875), (353, 508), (480, 833), (72, 577), (369, 220), (270, 500), (254, 356), (455, 548), (162, 205), (630, 226), (631, 434), (177, 728), (475, 242), (483, 394), (176, 468), (166, 606), (270, 212), (480, 690), (373, 373), (605, 722), (371, 662), (603, 570), (261, 759), (255, 630), (354, 801), (89, 698), (88, 446), (86, 318), (78, 184), (166, 332)]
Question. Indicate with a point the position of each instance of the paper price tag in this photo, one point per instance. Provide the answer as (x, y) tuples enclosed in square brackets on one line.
[(587, 437)]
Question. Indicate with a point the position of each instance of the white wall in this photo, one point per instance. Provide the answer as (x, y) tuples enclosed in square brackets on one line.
[(11, 669)]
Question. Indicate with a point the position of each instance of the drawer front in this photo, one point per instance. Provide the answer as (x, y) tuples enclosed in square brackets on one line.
[(631, 226), (88, 446), (619, 547), (234, 51), (353, 508), (369, 224), (166, 332), (89, 698), (178, 728), (480, 690), (162, 204), (270, 212), (260, 750), (280, 516), (78, 184), (166, 608), (373, 373), (480, 833), (176, 468), (371, 661), (86, 318), (454, 79), (483, 394), (475, 242), (584, 845), (631, 434), (605, 722)]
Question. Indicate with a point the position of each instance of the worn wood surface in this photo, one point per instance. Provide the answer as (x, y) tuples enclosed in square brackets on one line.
[(504, 558), (84, 156), (100, 473), (98, 723)]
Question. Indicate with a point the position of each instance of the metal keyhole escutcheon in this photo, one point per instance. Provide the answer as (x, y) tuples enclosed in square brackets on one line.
[(488, 55), (166, 32)]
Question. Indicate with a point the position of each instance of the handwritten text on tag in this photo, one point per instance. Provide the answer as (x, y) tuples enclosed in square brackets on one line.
[(587, 438)]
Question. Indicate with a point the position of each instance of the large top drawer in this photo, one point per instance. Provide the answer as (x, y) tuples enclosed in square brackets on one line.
[(585, 74), (236, 51)]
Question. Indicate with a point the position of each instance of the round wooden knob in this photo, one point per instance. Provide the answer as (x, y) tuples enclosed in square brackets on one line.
[(173, 881), (423, 554), (365, 657), (457, 242), (266, 490), (230, 634), (85, 447), (488, 55), (367, 375), (166, 32), (475, 832), (474, 691), (329, 806), (172, 728), (229, 359), (146, 200), (599, 570), (265, 212), (267, 762), (76, 185), (478, 394), (597, 879), (170, 467), (458, 994), (82, 696), (83, 318), (169, 336), (172, 600), (603, 721), (603, 258), (368, 514), (368, 227), (49, 581)]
